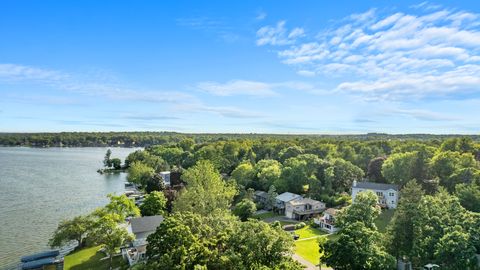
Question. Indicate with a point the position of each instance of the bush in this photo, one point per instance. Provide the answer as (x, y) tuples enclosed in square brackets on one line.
[(300, 225)]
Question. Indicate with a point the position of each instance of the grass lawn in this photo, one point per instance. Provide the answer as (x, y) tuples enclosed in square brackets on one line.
[(308, 231), (383, 220), (266, 215), (308, 249), (89, 258)]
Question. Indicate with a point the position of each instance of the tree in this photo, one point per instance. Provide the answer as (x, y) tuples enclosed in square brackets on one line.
[(75, 229), (110, 235), (374, 171), (455, 250), (244, 174), (363, 209), (155, 203), (155, 183), (400, 231), (272, 197), (106, 161), (469, 196), (205, 190), (245, 209), (267, 172), (121, 206), (358, 247), (140, 173), (445, 164), (116, 163), (341, 174), (398, 168)]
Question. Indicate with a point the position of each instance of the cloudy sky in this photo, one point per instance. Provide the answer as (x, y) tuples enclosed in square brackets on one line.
[(243, 66)]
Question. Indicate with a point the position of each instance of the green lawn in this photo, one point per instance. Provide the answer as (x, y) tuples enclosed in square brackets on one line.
[(383, 220), (89, 258), (308, 249), (266, 215), (308, 231)]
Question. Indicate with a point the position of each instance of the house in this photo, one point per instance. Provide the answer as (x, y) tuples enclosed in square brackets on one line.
[(327, 221), (166, 178), (141, 227), (387, 193), (303, 208), (282, 199), (260, 196)]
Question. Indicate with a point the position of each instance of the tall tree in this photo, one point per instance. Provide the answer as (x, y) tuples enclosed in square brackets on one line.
[(358, 247), (363, 209), (374, 170), (205, 190), (155, 203), (121, 206), (106, 161), (75, 229), (245, 209), (400, 231)]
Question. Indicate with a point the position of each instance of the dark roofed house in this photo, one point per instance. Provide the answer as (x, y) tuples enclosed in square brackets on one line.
[(387, 193), (260, 196), (141, 227)]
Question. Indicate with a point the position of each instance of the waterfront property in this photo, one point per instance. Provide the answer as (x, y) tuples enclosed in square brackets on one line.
[(282, 199), (387, 193), (303, 208), (327, 221), (141, 227)]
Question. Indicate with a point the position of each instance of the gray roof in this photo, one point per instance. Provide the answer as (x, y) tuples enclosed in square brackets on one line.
[(287, 196), (145, 224), (376, 186), (261, 193)]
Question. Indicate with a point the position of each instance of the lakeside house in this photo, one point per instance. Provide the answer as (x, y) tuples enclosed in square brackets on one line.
[(387, 193), (141, 227), (282, 199), (303, 208), (327, 221)]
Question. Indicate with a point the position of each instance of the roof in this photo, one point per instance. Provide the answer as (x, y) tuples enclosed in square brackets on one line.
[(260, 193), (287, 196), (302, 201), (331, 211), (40, 255), (38, 263), (376, 186), (145, 224)]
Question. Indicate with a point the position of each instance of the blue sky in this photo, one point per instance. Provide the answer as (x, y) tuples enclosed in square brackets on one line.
[(240, 66)]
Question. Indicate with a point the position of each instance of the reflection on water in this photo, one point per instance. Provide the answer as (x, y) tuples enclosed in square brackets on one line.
[(40, 187)]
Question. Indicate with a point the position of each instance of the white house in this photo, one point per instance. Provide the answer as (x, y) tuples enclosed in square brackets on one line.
[(387, 193), (141, 227), (303, 208), (166, 178), (282, 199), (327, 221)]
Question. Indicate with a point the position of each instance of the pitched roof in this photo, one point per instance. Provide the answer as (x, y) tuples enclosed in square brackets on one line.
[(302, 201), (377, 186), (145, 224), (287, 196)]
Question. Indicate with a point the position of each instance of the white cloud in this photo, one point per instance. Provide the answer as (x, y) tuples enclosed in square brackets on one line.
[(278, 35), (237, 87), (255, 88), (396, 55)]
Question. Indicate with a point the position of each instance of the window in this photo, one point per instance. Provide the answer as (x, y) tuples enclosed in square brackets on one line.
[(379, 194), (391, 194)]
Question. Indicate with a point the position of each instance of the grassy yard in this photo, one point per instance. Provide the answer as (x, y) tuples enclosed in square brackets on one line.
[(89, 258), (308, 249), (266, 215), (383, 220)]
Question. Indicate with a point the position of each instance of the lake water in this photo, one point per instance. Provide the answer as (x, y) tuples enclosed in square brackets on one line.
[(40, 187)]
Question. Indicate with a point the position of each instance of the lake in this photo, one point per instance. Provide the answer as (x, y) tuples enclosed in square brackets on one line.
[(41, 186)]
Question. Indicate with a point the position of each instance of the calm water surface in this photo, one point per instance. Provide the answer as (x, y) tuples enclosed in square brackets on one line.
[(40, 187)]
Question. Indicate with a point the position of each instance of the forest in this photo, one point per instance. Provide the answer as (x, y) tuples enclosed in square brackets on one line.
[(209, 215)]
